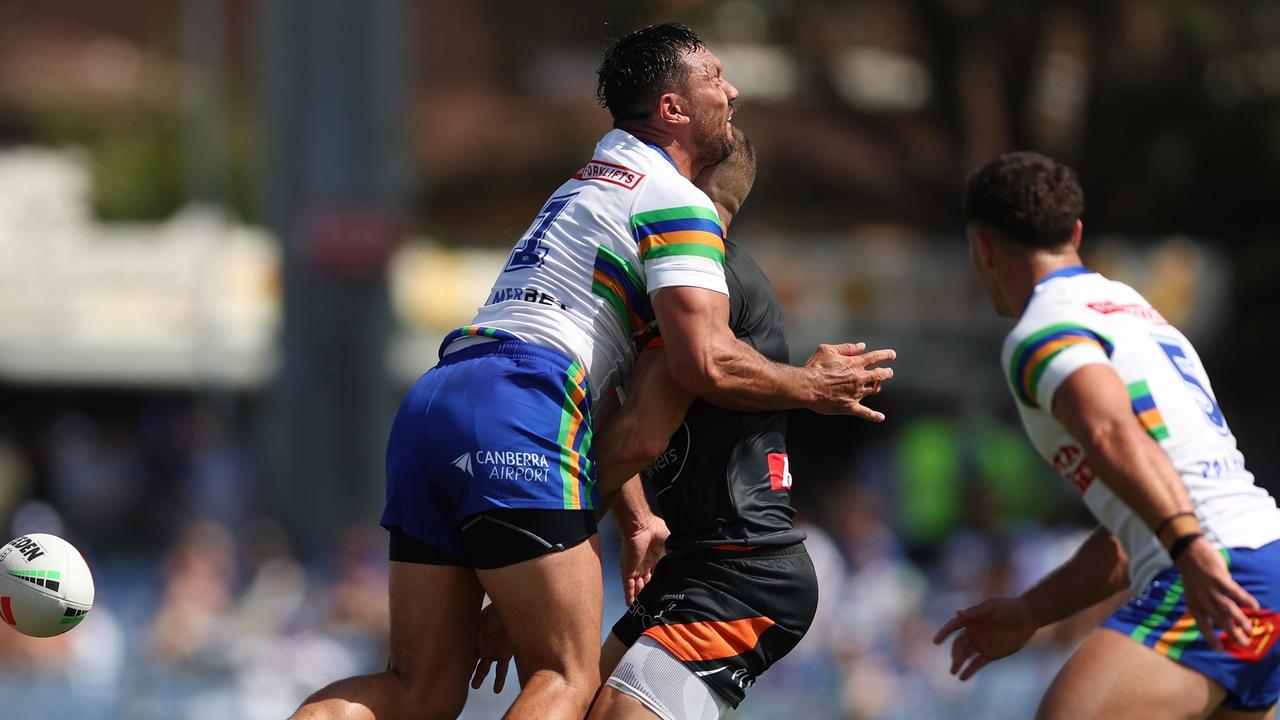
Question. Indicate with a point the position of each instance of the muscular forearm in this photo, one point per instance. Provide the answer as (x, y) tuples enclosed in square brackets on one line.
[(624, 448), (734, 375), (1093, 405), (1137, 471), (705, 358), (1098, 570), (629, 506)]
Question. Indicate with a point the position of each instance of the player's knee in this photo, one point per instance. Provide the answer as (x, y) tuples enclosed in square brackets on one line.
[(577, 687), (325, 709), (432, 697)]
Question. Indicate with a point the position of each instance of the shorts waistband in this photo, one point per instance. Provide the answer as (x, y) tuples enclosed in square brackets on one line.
[(507, 348), (763, 552)]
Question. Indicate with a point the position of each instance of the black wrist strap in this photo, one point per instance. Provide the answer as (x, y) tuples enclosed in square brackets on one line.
[(1180, 545), (1165, 523)]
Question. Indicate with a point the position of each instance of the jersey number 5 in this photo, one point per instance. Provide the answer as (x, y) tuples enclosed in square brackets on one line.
[(1191, 374), (529, 252)]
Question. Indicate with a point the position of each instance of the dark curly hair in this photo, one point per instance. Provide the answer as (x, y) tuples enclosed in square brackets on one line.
[(641, 66), (1033, 200)]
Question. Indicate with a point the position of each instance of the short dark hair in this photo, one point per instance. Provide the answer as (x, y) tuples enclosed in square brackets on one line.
[(733, 176), (1033, 200), (641, 66)]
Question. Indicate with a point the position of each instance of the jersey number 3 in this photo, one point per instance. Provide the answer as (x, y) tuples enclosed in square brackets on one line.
[(1191, 374), (529, 252)]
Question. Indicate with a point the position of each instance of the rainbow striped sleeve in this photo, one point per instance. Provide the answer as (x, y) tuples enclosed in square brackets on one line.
[(688, 230), (615, 280), (1032, 356), (1144, 407)]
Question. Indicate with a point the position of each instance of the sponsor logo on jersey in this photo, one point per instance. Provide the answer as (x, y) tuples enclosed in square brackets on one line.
[(529, 295), (669, 457), (505, 465), (610, 173), (1146, 312), (779, 471), (666, 468), (1072, 465)]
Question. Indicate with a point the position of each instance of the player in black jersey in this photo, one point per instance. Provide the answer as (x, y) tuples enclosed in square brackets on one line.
[(736, 590)]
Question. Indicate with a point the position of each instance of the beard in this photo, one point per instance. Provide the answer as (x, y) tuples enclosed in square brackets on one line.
[(712, 139)]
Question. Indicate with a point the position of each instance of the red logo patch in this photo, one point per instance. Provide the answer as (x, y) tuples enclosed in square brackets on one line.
[(1146, 312), (1261, 638), (779, 471), (6, 611), (610, 173), (1071, 464)]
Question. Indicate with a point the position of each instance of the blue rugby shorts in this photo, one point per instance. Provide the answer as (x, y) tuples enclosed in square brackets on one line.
[(502, 424)]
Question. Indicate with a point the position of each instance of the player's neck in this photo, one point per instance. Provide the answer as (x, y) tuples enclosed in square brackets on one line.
[(680, 156), (1039, 265)]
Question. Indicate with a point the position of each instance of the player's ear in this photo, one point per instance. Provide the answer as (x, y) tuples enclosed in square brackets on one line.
[(1076, 233), (671, 109), (982, 243)]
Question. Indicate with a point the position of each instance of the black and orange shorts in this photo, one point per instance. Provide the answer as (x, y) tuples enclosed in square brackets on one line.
[(727, 615)]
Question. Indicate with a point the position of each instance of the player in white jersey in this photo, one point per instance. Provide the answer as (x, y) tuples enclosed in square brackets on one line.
[(490, 478), (1117, 401)]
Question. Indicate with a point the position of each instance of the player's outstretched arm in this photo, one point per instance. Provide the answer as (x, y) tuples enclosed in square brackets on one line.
[(706, 359), (1093, 405), (1001, 626)]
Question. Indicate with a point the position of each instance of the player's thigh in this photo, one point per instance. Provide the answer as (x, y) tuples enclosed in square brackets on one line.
[(1111, 676), (435, 615), (550, 606), (1224, 713), (610, 653), (616, 705)]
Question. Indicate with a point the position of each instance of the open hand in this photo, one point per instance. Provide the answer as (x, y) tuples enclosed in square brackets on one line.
[(845, 374), (1213, 598), (989, 631), (642, 548)]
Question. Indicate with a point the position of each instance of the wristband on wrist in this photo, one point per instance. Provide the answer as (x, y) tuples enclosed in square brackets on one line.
[(1175, 526), (1165, 523), (1180, 545)]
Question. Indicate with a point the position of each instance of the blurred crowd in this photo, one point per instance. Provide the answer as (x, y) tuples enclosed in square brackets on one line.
[(205, 609), (137, 354)]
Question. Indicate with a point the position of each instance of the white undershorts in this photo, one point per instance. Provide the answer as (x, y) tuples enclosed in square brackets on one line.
[(665, 685)]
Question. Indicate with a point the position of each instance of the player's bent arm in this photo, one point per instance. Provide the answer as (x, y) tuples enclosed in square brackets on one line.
[(1098, 570), (706, 359), (640, 429), (1093, 405)]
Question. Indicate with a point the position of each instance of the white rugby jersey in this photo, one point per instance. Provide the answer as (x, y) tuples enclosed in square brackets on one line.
[(624, 226), (1075, 318)]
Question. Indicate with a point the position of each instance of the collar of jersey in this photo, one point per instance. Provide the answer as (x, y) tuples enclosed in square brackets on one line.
[(663, 153), (1069, 271)]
